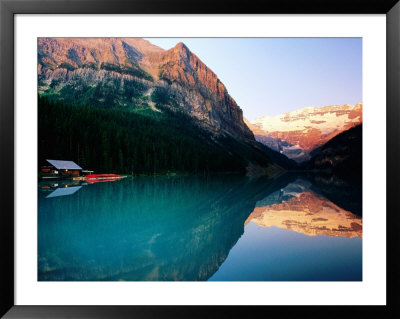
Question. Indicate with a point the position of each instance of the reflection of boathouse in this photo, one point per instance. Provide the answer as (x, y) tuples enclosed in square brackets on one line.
[(60, 169), (61, 187), (64, 191)]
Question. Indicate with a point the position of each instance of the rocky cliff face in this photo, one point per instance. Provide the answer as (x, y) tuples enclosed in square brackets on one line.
[(127, 71), (298, 133)]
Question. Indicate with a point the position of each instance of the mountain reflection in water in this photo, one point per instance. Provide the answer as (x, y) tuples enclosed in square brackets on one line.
[(306, 212), (184, 228)]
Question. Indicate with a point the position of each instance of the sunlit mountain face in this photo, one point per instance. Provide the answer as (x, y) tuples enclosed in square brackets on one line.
[(304, 211), (129, 72), (296, 134)]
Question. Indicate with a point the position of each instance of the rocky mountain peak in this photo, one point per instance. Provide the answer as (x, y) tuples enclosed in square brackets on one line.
[(114, 62), (182, 48), (296, 134)]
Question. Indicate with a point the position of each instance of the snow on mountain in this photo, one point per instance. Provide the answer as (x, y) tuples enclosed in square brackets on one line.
[(296, 134)]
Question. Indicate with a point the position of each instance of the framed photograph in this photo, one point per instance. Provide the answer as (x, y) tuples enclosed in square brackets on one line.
[(167, 159)]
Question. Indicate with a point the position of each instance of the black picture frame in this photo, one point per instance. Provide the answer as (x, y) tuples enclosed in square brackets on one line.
[(9, 8)]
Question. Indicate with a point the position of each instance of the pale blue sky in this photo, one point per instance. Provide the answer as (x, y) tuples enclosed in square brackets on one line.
[(269, 76)]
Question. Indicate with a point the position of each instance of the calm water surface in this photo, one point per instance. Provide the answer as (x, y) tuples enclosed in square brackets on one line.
[(224, 228)]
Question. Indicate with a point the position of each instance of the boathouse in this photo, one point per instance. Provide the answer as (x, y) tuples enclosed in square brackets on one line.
[(61, 169)]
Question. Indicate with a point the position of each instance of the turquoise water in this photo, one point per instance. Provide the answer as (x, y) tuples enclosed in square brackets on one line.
[(195, 228)]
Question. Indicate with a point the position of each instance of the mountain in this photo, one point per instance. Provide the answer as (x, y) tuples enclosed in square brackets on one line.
[(296, 134), (127, 105), (342, 155), (133, 73)]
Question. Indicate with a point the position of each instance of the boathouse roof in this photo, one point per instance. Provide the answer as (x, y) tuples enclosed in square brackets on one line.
[(64, 191), (64, 164)]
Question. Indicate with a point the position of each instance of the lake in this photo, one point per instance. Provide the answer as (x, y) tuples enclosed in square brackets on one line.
[(217, 228)]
